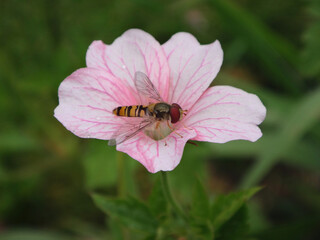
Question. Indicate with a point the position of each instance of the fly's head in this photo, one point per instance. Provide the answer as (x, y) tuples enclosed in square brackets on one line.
[(176, 113)]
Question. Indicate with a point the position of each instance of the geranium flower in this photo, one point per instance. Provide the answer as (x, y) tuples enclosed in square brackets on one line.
[(181, 70)]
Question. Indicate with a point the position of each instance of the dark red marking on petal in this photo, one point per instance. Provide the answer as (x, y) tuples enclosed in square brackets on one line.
[(193, 143)]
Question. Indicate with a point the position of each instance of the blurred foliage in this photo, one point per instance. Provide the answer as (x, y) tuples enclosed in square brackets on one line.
[(47, 174), (225, 218)]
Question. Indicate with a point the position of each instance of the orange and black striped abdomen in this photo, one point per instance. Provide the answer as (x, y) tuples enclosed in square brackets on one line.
[(131, 111)]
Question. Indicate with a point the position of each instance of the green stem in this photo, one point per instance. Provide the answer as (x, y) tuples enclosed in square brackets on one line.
[(169, 196), (121, 187)]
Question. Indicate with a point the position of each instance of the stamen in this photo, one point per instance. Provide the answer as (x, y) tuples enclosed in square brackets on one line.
[(184, 112), (187, 127), (178, 134)]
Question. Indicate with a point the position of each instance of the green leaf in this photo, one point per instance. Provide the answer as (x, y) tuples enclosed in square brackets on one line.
[(200, 208), (14, 140), (200, 212), (115, 228), (130, 212), (302, 227), (226, 206), (236, 228), (310, 61), (302, 154), (271, 51), (29, 234), (157, 200), (99, 165), (190, 167)]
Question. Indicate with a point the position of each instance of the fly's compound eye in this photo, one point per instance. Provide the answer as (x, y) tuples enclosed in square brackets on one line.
[(175, 113)]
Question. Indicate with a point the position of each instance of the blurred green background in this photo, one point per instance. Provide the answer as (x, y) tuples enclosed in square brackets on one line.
[(272, 48)]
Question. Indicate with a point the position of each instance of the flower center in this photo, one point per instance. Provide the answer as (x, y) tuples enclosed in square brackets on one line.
[(158, 130)]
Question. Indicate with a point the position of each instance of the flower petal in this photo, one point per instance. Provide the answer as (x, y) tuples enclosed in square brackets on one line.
[(226, 113), (192, 67), (134, 51), (86, 100), (95, 57), (163, 155)]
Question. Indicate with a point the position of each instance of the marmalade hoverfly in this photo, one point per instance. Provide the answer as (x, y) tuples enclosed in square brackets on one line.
[(155, 119)]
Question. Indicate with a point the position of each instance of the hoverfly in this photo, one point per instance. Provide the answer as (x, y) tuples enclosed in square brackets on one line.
[(154, 119)]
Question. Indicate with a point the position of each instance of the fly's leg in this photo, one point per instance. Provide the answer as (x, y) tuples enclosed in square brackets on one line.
[(178, 134), (173, 130), (169, 125)]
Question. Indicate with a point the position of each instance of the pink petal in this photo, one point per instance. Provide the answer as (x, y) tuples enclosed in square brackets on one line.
[(156, 155), (192, 67), (226, 113), (96, 55), (86, 100), (134, 51)]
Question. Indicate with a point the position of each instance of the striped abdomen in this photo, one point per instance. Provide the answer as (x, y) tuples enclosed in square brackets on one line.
[(131, 111)]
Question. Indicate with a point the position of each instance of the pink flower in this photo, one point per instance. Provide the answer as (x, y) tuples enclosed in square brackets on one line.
[(181, 70)]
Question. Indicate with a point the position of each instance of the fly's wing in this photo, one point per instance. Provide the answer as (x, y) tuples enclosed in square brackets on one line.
[(130, 129), (145, 87)]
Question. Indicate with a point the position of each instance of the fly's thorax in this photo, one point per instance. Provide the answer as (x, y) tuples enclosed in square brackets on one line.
[(162, 111)]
